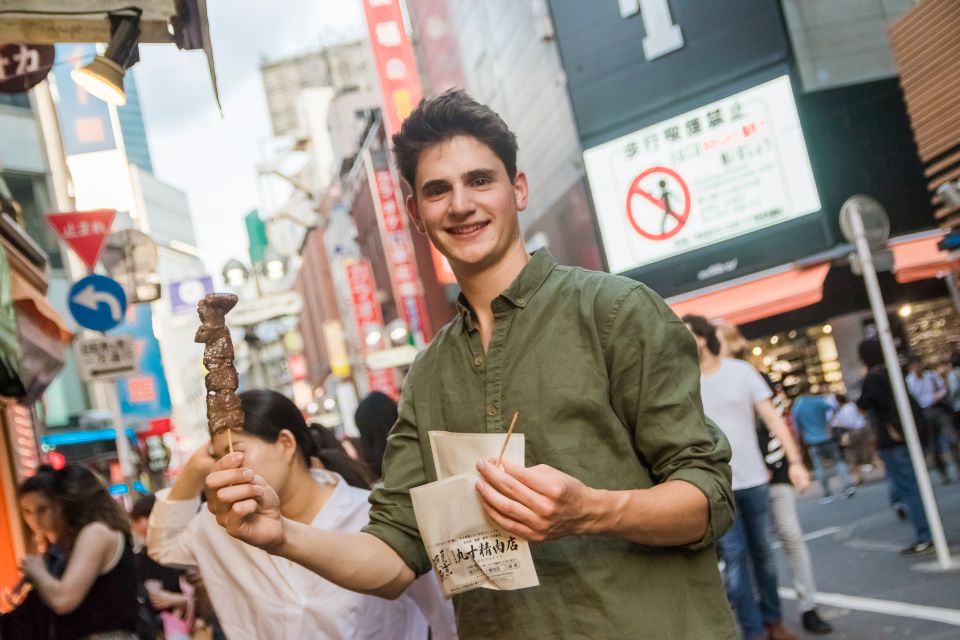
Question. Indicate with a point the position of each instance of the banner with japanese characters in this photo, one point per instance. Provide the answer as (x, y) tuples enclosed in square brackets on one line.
[(723, 170)]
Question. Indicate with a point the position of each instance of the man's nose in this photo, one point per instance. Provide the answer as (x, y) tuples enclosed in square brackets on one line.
[(461, 202)]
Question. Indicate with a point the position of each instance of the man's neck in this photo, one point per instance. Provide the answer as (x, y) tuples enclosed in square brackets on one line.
[(709, 362), (481, 287), (304, 503)]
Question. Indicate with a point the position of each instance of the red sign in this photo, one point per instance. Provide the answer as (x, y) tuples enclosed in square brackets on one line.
[(393, 56), (363, 296), (401, 260), (658, 203), (84, 231)]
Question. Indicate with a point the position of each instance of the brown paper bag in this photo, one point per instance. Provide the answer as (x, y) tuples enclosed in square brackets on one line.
[(455, 453), (467, 550)]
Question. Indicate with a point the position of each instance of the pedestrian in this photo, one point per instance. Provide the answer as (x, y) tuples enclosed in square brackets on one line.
[(257, 596), (96, 595), (930, 391), (375, 416), (811, 414), (734, 395), (876, 400), (953, 388), (627, 486), (25, 616), (783, 498), (169, 607), (850, 430)]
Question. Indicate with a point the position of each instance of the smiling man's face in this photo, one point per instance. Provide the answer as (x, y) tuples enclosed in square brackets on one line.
[(465, 202)]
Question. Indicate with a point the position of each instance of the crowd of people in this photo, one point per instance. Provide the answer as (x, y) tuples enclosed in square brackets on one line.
[(655, 454)]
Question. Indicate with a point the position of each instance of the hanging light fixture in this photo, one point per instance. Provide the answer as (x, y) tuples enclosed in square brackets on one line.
[(103, 77)]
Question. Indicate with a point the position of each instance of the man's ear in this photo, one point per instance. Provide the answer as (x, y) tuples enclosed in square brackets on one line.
[(415, 214), (520, 187)]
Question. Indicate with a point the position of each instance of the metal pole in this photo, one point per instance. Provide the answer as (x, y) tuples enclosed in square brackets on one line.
[(899, 389), (123, 445), (951, 281)]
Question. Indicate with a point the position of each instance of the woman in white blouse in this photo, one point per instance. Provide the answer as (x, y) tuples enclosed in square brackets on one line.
[(258, 596)]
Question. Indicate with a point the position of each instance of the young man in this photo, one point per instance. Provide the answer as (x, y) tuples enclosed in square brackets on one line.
[(734, 394), (930, 391), (876, 400), (811, 414), (627, 485)]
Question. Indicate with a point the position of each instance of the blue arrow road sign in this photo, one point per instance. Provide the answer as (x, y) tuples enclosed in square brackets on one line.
[(97, 302)]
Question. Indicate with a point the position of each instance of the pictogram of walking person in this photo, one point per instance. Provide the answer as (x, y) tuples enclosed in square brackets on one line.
[(665, 198)]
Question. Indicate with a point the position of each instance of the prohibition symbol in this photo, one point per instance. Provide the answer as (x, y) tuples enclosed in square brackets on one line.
[(658, 203)]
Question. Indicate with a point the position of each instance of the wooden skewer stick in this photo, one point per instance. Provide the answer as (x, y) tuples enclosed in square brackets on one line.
[(229, 441), (503, 448)]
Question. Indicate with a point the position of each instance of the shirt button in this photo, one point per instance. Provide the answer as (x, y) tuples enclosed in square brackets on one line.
[(521, 300), (492, 410), (478, 360)]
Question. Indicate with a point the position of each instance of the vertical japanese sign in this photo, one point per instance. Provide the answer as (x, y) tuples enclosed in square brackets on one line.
[(399, 85), (143, 396), (366, 311), (401, 260)]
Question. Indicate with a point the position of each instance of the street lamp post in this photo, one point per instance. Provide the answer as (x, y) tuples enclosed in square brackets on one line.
[(853, 227)]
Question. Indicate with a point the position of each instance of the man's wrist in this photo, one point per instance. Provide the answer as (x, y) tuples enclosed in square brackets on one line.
[(603, 510)]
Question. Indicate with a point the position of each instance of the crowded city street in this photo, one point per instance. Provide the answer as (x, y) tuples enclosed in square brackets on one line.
[(479, 320)]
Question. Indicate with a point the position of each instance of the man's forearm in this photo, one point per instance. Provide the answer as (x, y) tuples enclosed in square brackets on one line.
[(355, 561), (670, 514)]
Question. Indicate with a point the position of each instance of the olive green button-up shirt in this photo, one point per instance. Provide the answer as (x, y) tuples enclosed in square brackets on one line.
[(607, 383)]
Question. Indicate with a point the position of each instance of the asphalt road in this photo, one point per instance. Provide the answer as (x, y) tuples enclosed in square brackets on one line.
[(867, 590)]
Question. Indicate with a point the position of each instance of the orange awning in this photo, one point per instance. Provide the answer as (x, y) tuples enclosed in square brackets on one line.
[(28, 298), (760, 298), (919, 259)]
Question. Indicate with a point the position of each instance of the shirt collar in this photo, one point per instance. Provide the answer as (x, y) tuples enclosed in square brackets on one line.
[(522, 289)]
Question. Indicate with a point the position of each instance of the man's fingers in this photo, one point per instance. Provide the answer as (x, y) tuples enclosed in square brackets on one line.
[(511, 509), (509, 525), (218, 479), (541, 478), (244, 508), (238, 492), (503, 481)]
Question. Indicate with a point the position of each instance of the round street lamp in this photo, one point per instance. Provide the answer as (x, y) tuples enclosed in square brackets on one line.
[(235, 273)]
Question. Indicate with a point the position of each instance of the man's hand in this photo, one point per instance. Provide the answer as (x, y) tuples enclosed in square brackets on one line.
[(799, 477), (539, 503), (244, 504)]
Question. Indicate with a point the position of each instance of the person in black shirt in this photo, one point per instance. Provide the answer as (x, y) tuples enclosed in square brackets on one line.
[(161, 584), (876, 400)]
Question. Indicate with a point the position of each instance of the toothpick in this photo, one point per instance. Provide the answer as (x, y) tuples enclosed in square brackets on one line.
[(503, 449), (229, 441)]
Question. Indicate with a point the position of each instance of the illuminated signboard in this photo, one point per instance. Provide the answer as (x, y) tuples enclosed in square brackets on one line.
[(718, 172)]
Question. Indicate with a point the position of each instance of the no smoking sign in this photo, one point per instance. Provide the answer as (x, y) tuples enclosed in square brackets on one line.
[(658, 203)]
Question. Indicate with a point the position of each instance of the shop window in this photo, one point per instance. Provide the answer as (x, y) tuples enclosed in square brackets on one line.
[(30, 190)]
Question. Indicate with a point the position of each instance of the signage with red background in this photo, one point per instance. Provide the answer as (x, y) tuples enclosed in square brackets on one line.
[(366, 310)]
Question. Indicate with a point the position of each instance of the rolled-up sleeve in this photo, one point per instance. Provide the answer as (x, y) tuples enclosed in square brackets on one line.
[(169, 531), (391, 515), (654, 376)]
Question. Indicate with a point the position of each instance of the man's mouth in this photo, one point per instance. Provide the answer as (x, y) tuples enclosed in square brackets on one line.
[(466, 230)]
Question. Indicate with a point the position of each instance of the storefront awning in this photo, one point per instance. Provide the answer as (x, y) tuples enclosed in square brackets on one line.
[(919, 258), (762, 297)]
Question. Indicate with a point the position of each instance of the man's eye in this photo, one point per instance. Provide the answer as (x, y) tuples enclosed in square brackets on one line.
[(481, 182)]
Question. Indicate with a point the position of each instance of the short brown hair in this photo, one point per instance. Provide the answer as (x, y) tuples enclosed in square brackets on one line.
[(452, 113), (703, 328)]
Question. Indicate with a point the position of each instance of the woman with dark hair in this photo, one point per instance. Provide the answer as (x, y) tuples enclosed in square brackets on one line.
[(96, 596), (376, 414), (256, 595)]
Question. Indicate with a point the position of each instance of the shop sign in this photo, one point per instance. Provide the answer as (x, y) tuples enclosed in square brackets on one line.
[(662, 35), (84, 231), (393, 57), (23, 66), (336, 346), (718, 172), (144, 396), (101, 357), (401, 260), (367, 313), (185, 294)]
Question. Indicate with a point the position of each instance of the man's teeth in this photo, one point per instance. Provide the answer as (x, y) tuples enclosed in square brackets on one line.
[(465, 230)]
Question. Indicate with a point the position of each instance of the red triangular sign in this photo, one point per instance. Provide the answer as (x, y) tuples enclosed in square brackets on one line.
[(84, 231)]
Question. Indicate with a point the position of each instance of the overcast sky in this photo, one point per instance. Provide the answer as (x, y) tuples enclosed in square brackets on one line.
[(214, 159)]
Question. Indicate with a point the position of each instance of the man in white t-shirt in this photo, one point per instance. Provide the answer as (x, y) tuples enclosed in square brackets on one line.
[(734, 394)]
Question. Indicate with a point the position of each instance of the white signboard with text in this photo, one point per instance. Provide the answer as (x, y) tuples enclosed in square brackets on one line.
[(102, 357), (720, 171)]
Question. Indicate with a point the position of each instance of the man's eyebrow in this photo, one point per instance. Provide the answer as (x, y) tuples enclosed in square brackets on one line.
[(474, 174), (432, 184)]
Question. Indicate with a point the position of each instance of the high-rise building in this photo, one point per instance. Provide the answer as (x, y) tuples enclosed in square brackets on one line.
[(342, 67), (132, 127)]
